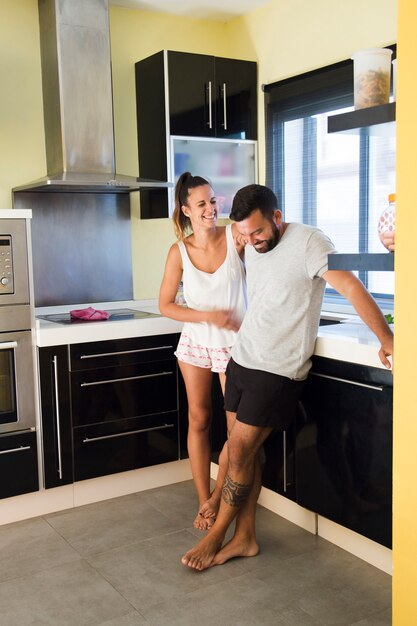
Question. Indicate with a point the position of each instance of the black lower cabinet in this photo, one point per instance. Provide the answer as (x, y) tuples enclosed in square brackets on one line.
[(18, 464), (278, 462), (56, 416), (344, 447), (125, 404), (124, 445), (218, 430)]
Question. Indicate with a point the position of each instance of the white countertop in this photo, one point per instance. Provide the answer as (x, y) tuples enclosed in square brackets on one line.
[(348, 341), (55, 334), (15, 214)]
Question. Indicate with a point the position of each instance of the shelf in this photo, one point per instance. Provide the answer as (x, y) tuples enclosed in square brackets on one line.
[(371, 262), (371, 121)]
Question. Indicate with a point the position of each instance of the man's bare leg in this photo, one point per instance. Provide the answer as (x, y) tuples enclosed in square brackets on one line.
[(243, 446), (243, 543)]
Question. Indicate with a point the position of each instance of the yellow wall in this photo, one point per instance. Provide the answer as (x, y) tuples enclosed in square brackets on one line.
[(22, 146), (405, 413), (286, 38), (274, 35), (289, 38), (134, 36)]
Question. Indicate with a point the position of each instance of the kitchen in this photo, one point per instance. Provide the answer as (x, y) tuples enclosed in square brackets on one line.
[(23, 158)]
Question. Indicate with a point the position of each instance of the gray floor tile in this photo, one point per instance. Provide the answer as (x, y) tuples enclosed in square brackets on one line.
[(381, 619), (133, 618), (240, 601), (31, 546), (70, 594), (131, 572), (109, 524), (150, 572)]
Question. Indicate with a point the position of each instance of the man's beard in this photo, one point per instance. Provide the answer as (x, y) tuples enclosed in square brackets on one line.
[(269, 244)]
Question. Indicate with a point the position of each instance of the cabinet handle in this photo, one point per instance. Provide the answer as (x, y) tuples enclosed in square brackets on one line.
[(210, 112), (121, 380), (349, 382), (224, 107), (94, 356), (284, 452), (130, 432), (20, 449), (58, 425)]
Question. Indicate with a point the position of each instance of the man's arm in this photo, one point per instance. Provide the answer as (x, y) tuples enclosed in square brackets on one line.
[(353, 290)]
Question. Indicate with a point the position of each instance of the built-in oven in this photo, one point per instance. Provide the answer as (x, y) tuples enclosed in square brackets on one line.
[(17, 411), (17, 374)]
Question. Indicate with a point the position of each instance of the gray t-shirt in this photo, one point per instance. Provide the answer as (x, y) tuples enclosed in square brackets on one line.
[(285, 294)]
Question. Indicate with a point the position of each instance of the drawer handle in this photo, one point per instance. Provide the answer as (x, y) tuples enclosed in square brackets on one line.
[(57, 416), (8, 345), (121, 380), (130, 432), (94, 356), (224, 107), (349, 382), (20, 449)]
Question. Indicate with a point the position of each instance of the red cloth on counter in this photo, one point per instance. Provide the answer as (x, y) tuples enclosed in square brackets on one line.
[(89, 314)]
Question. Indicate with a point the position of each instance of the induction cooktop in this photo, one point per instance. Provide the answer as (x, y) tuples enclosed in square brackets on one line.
[(116, 315)]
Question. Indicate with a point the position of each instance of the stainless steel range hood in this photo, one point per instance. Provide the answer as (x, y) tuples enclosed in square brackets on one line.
[(77, 101)]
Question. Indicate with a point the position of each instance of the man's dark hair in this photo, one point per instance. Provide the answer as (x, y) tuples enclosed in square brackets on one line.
[(253, 197)]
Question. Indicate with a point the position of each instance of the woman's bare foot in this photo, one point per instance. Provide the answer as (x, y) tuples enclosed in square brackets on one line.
[(203, 523), (210, 507), (201, 556), (236, 547)]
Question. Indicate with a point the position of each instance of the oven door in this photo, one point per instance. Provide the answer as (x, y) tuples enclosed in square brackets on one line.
[(17, 393)]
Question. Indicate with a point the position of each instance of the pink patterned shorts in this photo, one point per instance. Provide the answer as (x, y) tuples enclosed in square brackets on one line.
[(215, 359)]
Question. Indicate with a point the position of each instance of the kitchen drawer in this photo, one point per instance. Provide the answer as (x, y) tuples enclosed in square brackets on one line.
[(121, 446), (18, 464), (123, 392), (99, 354)]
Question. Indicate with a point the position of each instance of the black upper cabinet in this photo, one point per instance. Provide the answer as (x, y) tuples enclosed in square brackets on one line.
[(188, 95), (211, 96)]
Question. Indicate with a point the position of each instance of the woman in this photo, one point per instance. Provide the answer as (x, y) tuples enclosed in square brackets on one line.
[(207, 259)]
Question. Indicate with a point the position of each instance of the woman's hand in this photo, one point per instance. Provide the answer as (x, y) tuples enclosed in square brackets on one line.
[(388, 240), (223, 319)]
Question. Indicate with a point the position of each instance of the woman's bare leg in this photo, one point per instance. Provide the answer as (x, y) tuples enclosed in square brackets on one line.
[(210, 508), (198, 387)]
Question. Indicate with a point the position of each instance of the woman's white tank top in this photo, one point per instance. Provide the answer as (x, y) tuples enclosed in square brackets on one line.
[(224, 289)]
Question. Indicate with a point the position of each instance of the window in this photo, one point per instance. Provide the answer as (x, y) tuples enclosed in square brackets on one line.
[(337, 182)]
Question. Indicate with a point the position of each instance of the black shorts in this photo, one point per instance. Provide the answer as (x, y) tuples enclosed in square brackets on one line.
[(261, 398)]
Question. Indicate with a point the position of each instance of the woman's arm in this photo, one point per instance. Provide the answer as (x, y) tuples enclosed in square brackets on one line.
[(168, 291), (239, 241)]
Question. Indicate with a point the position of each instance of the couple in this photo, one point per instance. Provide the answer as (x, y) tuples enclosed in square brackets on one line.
[(286, 270)]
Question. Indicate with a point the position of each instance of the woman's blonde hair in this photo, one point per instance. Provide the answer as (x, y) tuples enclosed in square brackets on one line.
[(182, 223)]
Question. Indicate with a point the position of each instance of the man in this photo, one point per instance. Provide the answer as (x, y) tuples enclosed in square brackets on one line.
[(286, 276)]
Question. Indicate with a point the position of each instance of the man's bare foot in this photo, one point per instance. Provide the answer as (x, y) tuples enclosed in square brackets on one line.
[(201, 556), (236, 547), (203, 523)]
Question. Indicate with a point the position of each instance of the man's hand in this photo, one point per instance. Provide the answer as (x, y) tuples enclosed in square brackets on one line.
[(365, 306)]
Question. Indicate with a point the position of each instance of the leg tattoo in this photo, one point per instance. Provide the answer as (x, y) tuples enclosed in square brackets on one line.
[(234, 494)]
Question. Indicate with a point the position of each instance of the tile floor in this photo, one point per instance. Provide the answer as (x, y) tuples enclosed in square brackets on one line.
[(117, 563)]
